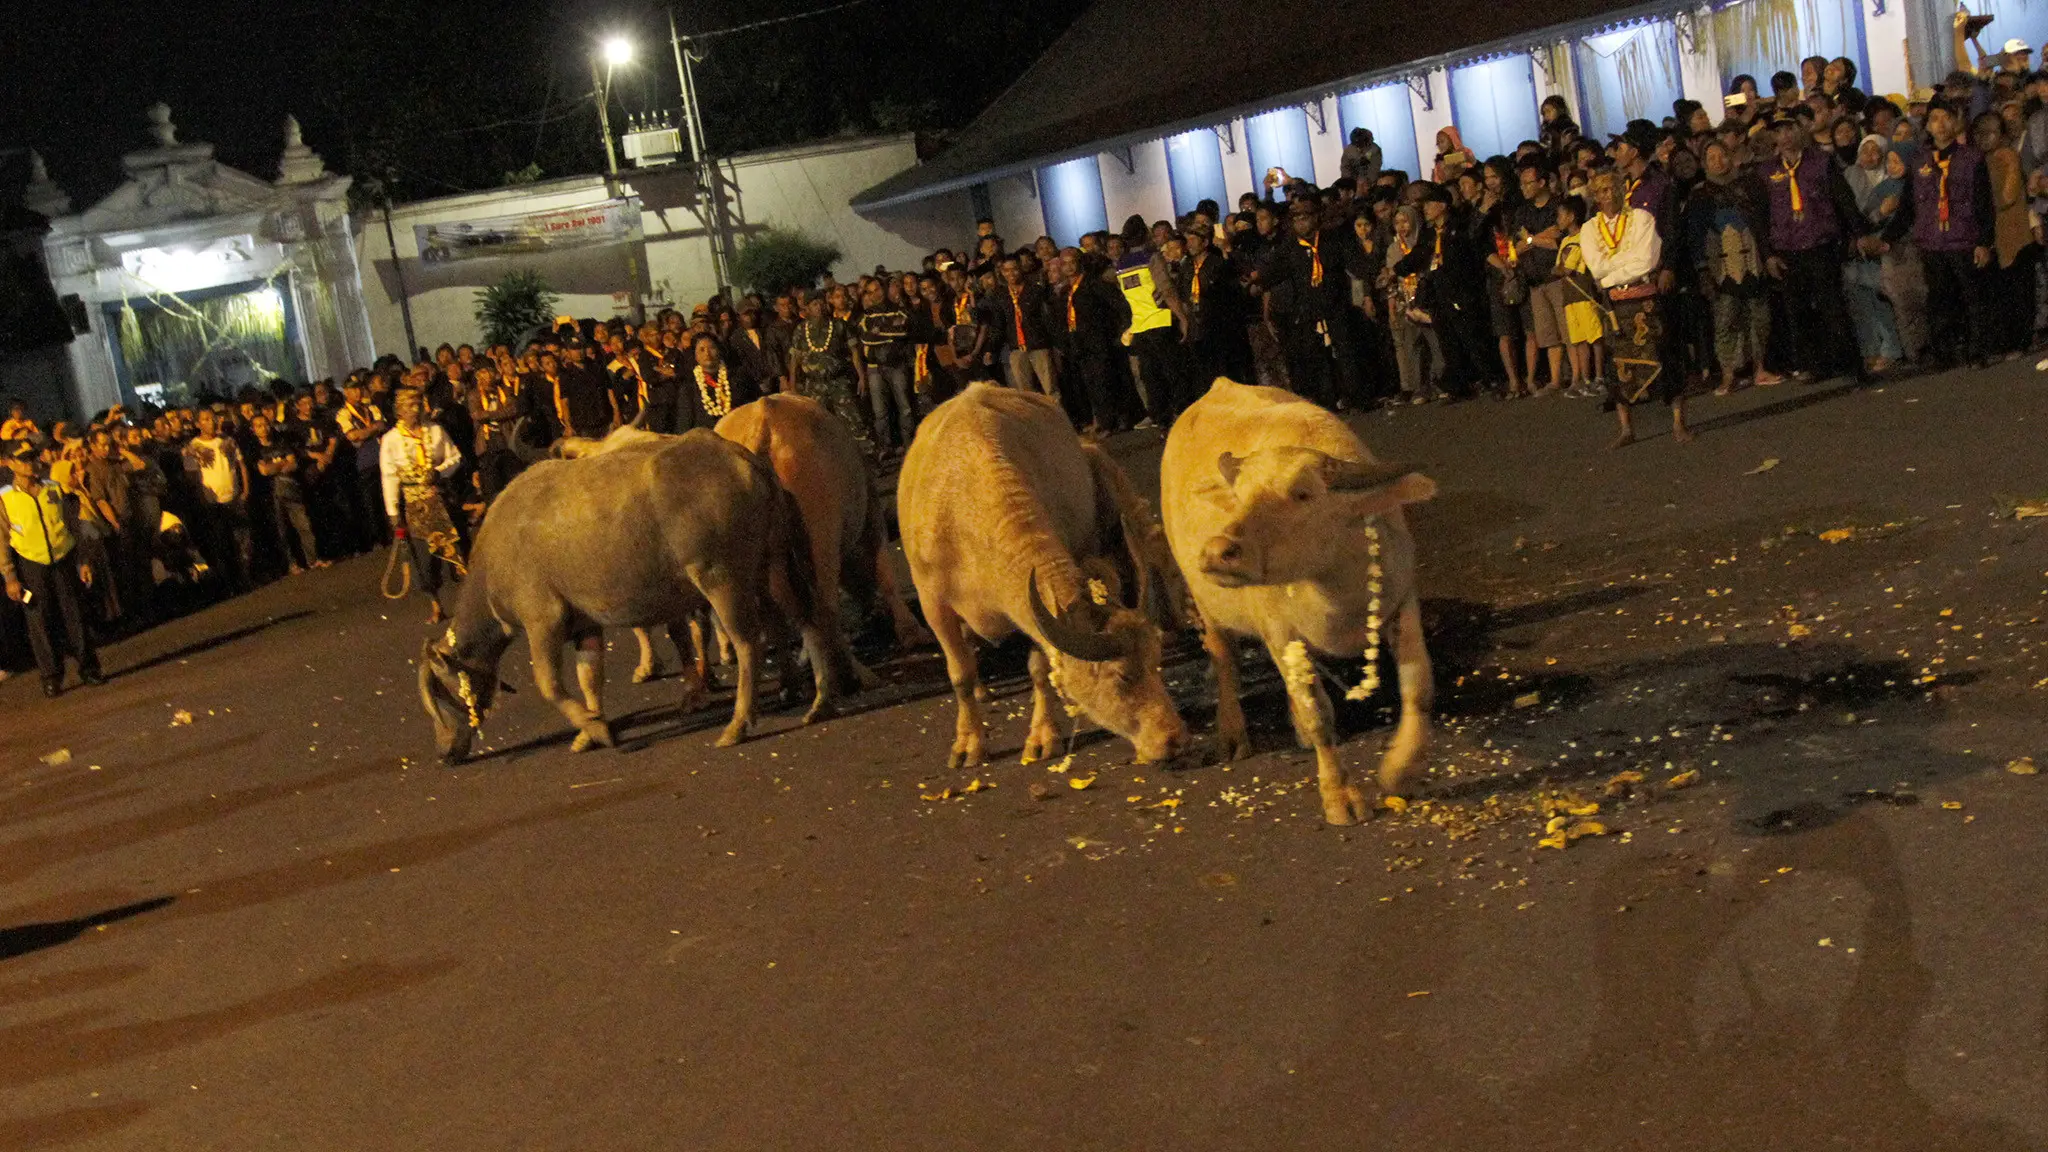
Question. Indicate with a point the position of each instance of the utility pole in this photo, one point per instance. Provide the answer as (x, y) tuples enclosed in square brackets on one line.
[(604, 124), (709, 178)]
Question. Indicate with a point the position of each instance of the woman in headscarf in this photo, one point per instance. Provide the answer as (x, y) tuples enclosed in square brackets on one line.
[(1877, 330), (1452, 157), (1410, 324), (1900, 275)]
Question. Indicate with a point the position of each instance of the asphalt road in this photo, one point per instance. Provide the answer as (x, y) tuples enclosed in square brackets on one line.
[(283, 925)]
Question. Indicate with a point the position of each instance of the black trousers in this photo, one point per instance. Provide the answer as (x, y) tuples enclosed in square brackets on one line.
[(2014, 299), (1958, 308), (371, 528), (1322, 361), (56, 615), (1222, 347), (227, 542), (1096, 373), (1820, 338), (494, 470), (1167, 372)]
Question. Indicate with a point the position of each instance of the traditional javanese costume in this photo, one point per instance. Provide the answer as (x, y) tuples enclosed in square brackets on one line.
[(415, 462), (1624, 253)]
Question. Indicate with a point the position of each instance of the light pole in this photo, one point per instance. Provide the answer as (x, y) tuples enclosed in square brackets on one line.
[(616, 50)]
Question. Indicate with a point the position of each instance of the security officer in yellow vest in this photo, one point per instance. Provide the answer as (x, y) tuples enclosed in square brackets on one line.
[(1159, 331), (39, 561)]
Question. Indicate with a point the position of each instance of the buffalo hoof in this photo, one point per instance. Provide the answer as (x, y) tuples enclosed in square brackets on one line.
[(733, 734), (821, 709), (964, 756), (694, 698), (1344, 806), (597, 733), (1232, 746), (1040, 745)]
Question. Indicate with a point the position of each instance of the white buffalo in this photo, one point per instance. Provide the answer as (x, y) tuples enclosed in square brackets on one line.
[(1288, 530), (1003, 509)]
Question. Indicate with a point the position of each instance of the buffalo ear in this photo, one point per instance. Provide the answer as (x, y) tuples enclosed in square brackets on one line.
[(1227, 466)]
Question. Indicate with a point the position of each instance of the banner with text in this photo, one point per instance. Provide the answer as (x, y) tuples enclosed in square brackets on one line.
[(605, 222)]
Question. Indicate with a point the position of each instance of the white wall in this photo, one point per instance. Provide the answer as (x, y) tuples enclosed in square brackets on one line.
[(1885, 38), (1431, 120), (1237, 166), (1145, 190), (1326, 144), (1699, 71), (1013, 201), (808, 188)]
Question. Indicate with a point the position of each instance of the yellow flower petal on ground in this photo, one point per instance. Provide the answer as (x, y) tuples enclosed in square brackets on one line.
[(1080, 783), (1685, 779), (2024, 766), (1394, 804)]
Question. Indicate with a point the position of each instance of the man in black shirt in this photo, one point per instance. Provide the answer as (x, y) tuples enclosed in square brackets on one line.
[(573, 397), (1534, 233), (278, 459), (758, 354), (1019, 307), (1216, 308), (1093, 315), (1308, 304)]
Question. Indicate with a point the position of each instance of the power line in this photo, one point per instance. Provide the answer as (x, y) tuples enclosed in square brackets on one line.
[(795, 16), (544, 116)]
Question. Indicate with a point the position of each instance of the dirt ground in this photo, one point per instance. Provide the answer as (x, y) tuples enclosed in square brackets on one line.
[(250, 910)]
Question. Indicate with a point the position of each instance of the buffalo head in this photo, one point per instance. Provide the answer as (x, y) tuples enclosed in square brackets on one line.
[(456, 698), (1106, 659), (1298, 513)]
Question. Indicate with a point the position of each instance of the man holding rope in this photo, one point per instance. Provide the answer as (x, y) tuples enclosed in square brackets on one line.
[(415, 458)]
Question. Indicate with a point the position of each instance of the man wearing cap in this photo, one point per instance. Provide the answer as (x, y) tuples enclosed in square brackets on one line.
[(40, 565), (1949, 210), (1813, 218), (1310, 303)]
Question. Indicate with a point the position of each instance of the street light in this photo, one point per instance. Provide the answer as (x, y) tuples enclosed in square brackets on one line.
[(618, 50)]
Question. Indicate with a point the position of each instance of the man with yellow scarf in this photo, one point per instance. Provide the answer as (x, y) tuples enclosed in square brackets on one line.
[(40, 565)]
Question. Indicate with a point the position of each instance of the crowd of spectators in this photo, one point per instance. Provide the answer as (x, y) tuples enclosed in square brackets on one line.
[(1807, 233)]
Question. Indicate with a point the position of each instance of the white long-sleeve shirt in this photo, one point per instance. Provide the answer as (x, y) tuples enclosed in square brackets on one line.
[(396, 444), (1640, 252)]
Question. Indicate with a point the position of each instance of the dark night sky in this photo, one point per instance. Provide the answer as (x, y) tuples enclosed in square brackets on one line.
[(452, 94)]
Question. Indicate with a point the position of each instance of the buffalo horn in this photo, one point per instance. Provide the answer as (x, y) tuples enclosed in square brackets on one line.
[(1356, 476), (521, 447), (1080, 643)]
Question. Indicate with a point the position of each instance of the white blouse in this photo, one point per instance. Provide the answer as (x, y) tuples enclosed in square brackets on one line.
[(1639, 251)]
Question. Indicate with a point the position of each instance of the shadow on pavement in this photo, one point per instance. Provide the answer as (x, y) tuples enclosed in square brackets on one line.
[(26, 938), (70, 1126), (65, 1044), (210, 643)]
